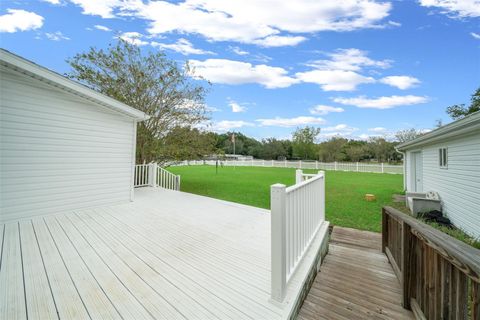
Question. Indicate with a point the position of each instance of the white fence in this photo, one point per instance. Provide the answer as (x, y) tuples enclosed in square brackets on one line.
[(297, 212), (154, 176), (300, 164)]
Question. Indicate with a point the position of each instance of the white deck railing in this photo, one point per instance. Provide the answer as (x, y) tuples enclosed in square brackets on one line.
[(297, 212), (167, 180), (301, 164), (154, 176), (142, 175)]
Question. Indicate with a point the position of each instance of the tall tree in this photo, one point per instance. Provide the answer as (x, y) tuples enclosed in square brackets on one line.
[(459, 111), (183, 143), (303, 143), (332, 150), (148, 81), (407, 135)]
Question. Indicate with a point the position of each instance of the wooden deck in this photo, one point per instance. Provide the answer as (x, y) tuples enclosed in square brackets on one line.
[(167, 255), (355, 281)]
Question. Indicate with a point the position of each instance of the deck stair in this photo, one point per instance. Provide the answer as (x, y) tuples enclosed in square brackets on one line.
[(355, 281)]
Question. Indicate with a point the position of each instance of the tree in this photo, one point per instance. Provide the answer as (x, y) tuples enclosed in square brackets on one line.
[(382, 149), (303, 142), (187, 143), (355, 150), (332, 150), (149, 82), (272, 149), (459, 111), (407, 135)]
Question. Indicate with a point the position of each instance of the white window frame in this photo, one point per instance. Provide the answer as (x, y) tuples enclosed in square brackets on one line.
[(443, 157)]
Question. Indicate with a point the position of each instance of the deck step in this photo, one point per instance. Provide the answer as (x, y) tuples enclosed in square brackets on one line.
[(355, 281)]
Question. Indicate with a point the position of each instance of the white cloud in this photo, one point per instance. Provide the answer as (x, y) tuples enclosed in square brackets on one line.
[(401, 82), (56, 36), (378, 129), (341, 72), (279, 41), (323, 110), (349, 60), (248, 21), (334, 80), (238, 51), (236, 107), (382, 102), (394, 24), (102, 28), (455, 8), (20, 20), (133, 38), (475, 35), (104, 8), (226, 125), (340, 128), (182, 46), (52, 1), (291, 122), (237, 72)]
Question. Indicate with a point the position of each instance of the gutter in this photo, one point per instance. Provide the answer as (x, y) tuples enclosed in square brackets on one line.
[(466, 125)]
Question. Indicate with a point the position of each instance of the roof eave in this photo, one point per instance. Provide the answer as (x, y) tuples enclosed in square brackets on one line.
[(463, 126), (20, 64)]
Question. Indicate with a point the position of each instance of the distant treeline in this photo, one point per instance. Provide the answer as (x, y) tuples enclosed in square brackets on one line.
[(301, 147)]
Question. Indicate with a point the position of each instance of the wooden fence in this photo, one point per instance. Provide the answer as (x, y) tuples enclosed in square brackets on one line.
[(154, 176), (300, 164), (297, 214), (439, 275)]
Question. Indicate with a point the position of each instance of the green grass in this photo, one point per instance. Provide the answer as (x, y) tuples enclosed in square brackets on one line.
[(345, 191)]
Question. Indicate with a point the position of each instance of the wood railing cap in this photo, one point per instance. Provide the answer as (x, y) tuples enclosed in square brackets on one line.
[(464, 256)]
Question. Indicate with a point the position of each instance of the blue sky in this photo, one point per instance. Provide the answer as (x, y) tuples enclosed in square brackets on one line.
[(355, 68)]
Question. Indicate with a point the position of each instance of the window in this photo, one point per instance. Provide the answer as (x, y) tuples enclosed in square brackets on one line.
[(443, 157)]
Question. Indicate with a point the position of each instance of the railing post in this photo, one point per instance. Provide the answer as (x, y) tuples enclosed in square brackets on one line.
[(316, 164), (285, 163), (383, 171), (178, 183), (278, 241), (407, 264), (300, 164), (152, 174), (335, 165), (298, 176), (384, 229), (357, 166)]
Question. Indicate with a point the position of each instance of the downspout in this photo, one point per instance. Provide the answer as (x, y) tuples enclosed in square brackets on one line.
[(404, 156)]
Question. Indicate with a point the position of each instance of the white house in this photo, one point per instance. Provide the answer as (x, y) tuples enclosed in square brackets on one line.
[(63, 145), (447, 161)]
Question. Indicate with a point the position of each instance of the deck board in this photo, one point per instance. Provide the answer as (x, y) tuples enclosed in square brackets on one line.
[(355, 281), (12, 295), (40, 301), (66, 296), (167, 255), (93, 295)]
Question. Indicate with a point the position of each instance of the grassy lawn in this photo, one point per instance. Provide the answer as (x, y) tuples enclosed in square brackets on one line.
[(345, 205)]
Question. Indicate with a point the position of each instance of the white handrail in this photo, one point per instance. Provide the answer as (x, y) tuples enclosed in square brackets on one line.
[(154, 176), (297, 212)]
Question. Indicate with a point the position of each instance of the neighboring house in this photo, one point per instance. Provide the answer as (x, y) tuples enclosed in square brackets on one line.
[(63, 145), (447, 161)]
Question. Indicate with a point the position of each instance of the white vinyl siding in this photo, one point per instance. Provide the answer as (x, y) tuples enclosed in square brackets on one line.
[(58, 151), (459, 186)]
